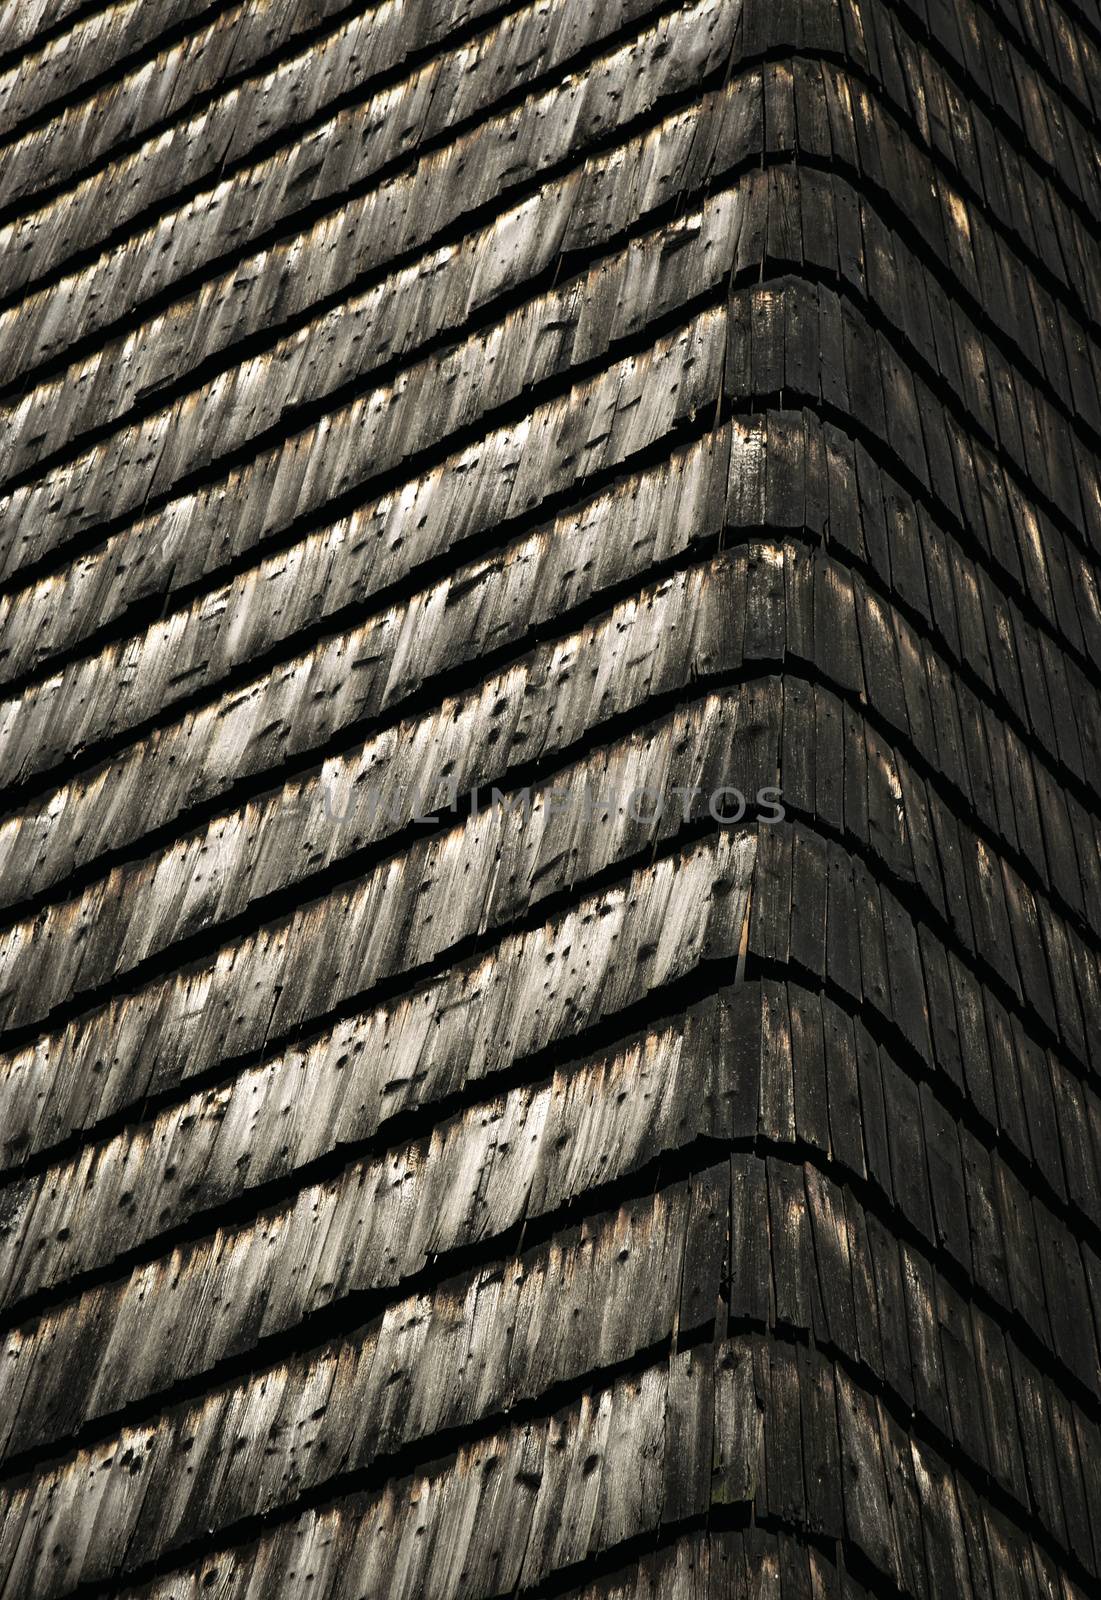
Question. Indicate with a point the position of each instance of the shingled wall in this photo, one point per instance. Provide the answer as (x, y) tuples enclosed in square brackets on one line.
[(451, 1146)]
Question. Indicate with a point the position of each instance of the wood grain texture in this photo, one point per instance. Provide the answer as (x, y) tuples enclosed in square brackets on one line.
[(550, 821)]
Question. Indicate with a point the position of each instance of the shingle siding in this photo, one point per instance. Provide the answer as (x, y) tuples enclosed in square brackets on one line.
[(447, 1150)]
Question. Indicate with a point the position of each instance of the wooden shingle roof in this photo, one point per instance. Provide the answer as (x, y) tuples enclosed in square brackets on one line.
[(550, 799)]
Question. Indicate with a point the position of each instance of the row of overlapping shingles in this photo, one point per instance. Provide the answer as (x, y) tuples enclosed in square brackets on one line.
[(499, 476)]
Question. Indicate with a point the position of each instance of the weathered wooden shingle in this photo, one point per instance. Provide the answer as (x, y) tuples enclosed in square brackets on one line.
[(550, 889)]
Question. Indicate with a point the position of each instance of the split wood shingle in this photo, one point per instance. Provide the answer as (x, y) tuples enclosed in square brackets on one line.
[(443, 448)]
